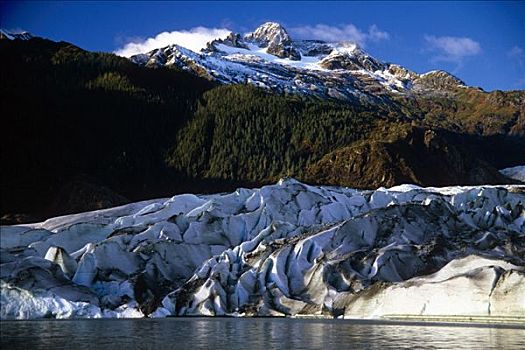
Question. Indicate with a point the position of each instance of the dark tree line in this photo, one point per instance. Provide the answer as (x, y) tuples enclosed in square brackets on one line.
[(243, 133)]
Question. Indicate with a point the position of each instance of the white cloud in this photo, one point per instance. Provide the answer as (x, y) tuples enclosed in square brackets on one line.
[(193, 39), (516, 54), (346, 32), (375, 34), (451, 48), (16, 30)]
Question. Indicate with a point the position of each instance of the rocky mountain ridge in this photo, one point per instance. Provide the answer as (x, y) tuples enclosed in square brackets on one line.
[(269, 58)]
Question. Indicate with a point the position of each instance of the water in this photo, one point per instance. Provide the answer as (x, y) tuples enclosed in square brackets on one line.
[(250, 334)]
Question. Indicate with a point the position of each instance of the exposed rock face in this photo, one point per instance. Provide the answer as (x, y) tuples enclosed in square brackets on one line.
[(285, 249), (437, 80), (403, 74), (313, 48), (232, 40), (270, 33), (276, 39), (283, 51), (350, 57)]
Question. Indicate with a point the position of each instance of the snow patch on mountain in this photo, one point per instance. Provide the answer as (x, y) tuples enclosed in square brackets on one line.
[(253, 52)]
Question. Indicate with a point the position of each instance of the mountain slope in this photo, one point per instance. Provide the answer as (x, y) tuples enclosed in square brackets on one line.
[(101, 131), (414, 155), (344, 71), (89, 122), (243, 133), (435, 101)]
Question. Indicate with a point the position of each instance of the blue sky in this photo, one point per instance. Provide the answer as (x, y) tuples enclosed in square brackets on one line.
[(483, 43)]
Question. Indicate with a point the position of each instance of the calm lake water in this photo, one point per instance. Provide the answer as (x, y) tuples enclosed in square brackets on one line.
[(250, 334)]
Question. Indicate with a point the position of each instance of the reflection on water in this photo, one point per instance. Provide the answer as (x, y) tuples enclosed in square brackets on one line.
[(251, 334)]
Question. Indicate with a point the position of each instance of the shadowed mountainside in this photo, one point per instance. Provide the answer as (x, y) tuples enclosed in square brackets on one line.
[(85, 130)]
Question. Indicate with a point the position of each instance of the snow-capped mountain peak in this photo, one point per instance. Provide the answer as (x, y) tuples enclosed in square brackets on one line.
[(277, 40), (270, 33), (269, 58), (10, 35)]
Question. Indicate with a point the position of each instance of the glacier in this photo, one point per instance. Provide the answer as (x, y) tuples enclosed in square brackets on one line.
[(515, 173), (288, 249)]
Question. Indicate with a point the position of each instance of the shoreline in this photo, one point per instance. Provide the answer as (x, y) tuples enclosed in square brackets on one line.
[(435, 320), (404, 320)]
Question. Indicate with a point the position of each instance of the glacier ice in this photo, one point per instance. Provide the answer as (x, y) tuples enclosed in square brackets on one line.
[(283, 249), (516, 173)]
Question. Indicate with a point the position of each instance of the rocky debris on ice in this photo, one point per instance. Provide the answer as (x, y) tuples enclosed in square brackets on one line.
[(284, 249)]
